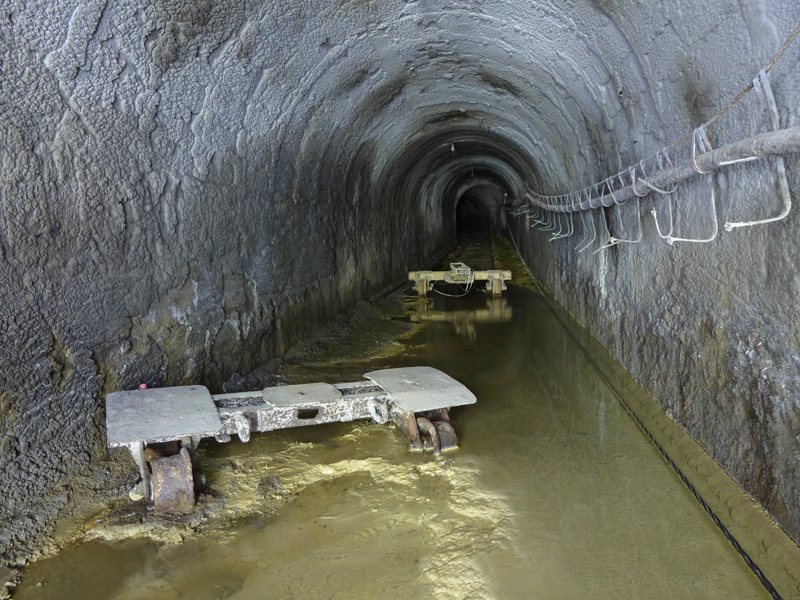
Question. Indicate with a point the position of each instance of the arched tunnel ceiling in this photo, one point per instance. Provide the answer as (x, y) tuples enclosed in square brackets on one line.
[(258, 96), (541, 84)]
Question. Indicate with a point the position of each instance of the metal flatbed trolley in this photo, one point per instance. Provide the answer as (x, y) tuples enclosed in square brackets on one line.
[(461, 274), (162, 427)]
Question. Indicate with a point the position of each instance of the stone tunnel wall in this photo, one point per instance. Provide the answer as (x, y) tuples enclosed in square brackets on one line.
[(181, 201), (189, 187), (712, 330)]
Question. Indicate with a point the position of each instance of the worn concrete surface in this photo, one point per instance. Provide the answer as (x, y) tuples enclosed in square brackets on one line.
[(189, 188)]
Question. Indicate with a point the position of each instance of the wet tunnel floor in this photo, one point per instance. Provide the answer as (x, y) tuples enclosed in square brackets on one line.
[(554, 493)]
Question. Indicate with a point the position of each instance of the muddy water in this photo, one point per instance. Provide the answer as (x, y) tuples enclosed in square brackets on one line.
[(554, 493)]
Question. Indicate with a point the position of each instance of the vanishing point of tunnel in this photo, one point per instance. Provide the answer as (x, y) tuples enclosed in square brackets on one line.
[(190, 189)]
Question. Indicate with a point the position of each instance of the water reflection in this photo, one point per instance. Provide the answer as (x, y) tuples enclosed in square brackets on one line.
[(495, 310), (554, 493)]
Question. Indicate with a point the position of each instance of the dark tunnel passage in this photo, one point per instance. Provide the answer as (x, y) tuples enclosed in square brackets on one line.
[(479, 202), (189, 189), (468, 175)]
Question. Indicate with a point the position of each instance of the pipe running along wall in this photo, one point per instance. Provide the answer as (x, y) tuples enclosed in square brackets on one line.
[(774, 143)]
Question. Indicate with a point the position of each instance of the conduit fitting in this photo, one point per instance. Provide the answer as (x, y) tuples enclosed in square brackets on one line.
[(699, 136)]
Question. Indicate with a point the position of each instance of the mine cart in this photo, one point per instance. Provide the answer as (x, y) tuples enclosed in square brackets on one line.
[(162, 427)]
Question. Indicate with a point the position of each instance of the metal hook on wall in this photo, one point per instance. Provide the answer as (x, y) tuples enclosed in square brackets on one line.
[(639, 225), (764, 89), (666, 158), (571, 225), (598, 195), (551, 225), (613, 241), (647, 183), (667, 236), (594, 236), (632, 173), (584, 229), (544, 220), (529, 217), (568, 199), (610, 188), (569, 232), (557, 234), (540, 218), (670, 239)]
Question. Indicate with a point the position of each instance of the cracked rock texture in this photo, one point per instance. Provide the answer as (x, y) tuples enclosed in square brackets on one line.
[(188, 188)]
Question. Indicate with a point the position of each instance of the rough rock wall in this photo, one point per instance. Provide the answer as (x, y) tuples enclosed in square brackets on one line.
[(187, 188), (712, 330)]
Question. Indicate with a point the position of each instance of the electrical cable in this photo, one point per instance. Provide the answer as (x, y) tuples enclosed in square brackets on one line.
[(466, 289), (691, 135)]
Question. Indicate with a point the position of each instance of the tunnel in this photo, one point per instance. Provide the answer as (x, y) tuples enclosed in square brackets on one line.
[(189, 189)]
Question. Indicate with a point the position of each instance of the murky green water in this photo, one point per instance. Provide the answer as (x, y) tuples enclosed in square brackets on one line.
[(554, 493)]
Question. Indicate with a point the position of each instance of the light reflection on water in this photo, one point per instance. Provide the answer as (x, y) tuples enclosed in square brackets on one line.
[(554, 493)]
